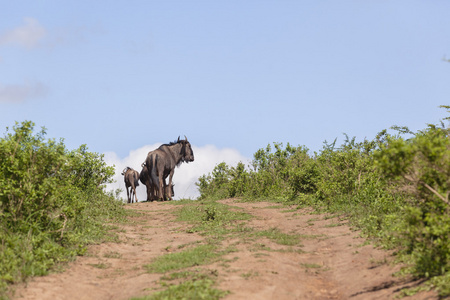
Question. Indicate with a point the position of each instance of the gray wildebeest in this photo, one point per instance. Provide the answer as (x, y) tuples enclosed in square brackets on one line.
[(162, 162), (131, 178), (152, 194)]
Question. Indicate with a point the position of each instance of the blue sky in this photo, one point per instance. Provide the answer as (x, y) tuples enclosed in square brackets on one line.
[(233, 76)]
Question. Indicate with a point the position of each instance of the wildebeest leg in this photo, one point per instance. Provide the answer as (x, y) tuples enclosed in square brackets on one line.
[(161, 188), (151, 193), (155, 183), (133, 191), (169, 194), (157, 189), (165, 190), (152, 189), (154, 193), (149, 196), (128, 195)]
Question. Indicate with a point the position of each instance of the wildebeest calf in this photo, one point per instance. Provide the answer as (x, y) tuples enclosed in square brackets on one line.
[(131, 178)]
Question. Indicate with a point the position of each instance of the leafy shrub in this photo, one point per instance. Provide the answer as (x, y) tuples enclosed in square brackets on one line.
[(420, 168), (395, 189), (52, 202), (215, 185)]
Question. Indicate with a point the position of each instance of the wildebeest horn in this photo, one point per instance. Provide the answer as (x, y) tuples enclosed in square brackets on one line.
[(178, 139), (185, 138)]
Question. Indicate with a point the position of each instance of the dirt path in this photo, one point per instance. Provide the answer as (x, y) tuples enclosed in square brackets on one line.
[(332, 262)]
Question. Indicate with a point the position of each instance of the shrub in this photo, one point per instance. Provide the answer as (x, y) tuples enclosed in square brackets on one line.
[(52, 202), (395, 189), (420, 168)]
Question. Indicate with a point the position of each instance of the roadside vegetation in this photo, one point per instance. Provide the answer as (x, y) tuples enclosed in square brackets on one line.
[(395, 189), (52, 203)]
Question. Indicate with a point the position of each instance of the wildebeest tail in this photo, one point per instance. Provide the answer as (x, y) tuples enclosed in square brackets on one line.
[(152, 169), (136, 179)]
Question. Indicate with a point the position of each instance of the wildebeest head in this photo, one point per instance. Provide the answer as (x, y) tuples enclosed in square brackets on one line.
[(125, 170), (186, 151)]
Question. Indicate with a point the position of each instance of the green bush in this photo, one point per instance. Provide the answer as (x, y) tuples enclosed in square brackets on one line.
[(420, 169), (52, 202), (395, 189), (215, 185)]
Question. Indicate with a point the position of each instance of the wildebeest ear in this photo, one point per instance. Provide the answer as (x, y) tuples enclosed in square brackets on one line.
[(178, 139)]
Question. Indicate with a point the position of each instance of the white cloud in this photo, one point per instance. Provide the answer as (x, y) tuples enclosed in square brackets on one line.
[(28, 35), (19, 93), (185, 175)]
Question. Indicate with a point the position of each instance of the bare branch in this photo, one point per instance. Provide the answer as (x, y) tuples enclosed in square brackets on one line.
[(435, 192)]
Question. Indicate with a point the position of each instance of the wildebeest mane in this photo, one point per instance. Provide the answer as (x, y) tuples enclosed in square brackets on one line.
[(175, 143), (171, 143)]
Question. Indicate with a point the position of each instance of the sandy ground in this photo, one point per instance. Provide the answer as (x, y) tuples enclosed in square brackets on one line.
[(332, 262)]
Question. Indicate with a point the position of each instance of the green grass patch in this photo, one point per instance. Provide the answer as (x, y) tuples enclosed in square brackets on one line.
[(100, 265), (312, 220), (259, 247), (312, 236), (272, 207), (249, 275), (310, 266), (112, 254), (279, 237), (178, 275), (196, 274), (333, 225), (213, 219), (191, 289), (197, 256), (327, 217)]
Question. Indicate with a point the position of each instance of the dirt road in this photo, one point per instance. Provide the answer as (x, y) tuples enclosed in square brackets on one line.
[(332, 262)]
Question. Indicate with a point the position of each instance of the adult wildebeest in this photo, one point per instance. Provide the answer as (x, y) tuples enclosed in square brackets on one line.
[(131, 178), (162, 162), (152, 194)]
